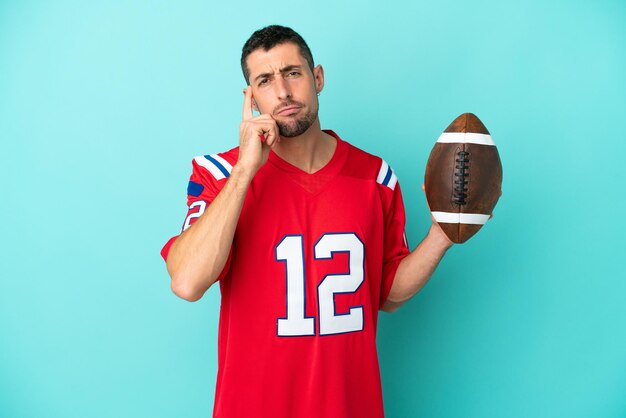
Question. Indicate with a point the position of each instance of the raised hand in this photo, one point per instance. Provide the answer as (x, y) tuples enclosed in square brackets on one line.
[(257, 135)]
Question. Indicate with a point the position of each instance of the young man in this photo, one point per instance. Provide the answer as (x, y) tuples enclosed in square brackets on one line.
[(305, 234)]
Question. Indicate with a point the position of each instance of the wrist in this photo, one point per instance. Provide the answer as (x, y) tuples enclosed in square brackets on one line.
[(438, 238), (243, 173)]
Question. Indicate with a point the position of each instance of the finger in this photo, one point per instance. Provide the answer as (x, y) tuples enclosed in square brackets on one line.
[(275, 140), (271, 137), (262, 127), (270, 131), (247, 104), (266, 129)]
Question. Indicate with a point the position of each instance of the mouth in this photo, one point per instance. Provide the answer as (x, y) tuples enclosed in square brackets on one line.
[(288, 111)]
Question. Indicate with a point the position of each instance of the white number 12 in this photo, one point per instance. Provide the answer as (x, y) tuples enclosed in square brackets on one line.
[(291, 251)]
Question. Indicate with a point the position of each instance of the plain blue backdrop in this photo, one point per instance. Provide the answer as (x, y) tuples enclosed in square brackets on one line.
[(103, 105)]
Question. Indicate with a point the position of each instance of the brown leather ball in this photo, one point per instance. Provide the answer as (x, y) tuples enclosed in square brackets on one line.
[(463, 179)]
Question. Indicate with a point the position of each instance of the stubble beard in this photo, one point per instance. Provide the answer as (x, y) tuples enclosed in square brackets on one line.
[(297, 127)]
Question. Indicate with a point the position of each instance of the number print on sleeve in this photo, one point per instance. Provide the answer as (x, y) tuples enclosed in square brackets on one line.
[(291, 251), (201, 205)]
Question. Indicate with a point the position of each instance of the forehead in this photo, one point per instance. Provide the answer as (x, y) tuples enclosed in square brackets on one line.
[(280, 56)]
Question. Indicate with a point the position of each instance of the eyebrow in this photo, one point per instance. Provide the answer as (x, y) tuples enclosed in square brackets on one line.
[(282, 71)]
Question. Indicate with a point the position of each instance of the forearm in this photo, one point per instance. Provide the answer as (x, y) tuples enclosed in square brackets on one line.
[(415, 270), (199, 254)]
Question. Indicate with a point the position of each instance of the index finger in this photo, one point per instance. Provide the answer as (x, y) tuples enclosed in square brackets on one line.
[(247, 104)]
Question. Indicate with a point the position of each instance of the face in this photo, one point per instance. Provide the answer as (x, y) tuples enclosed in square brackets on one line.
[(284, 87)]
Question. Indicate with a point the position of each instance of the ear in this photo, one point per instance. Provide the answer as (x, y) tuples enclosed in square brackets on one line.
[(254, 106), (318, 75)]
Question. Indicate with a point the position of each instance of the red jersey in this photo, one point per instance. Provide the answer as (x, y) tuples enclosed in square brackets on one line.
[(313, 259)]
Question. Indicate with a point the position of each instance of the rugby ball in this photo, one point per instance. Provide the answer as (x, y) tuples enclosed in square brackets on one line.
[(463, 179)]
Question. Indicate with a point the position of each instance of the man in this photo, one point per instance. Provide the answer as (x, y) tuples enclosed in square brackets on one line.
[(305, 234)]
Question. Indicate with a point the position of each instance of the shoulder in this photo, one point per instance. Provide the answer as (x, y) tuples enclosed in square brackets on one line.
[(369, 166), (215, 166)]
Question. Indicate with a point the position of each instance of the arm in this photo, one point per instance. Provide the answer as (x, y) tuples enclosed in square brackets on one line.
[(199, 254), (416, 268)]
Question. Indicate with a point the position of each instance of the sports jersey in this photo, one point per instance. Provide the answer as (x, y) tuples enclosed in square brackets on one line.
[(313, 258)]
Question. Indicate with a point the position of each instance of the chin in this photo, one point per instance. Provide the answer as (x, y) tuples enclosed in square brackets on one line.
[(296, 127)]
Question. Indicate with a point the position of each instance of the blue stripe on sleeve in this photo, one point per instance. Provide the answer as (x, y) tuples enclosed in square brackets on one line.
[(194, 189), (387, 177), (218, 165)]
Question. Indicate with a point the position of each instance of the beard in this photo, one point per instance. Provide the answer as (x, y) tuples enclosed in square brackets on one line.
[(297, 126)]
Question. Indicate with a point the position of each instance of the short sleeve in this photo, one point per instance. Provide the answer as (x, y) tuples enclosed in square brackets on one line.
[(208, 176), (396, 246)]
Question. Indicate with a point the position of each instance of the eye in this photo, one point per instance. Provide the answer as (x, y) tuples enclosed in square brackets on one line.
[(264, 81), (293, 74)]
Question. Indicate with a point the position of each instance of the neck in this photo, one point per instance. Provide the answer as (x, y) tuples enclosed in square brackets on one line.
[(310, 151)]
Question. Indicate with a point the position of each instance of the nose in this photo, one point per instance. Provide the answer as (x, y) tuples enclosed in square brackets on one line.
[(283, 92)]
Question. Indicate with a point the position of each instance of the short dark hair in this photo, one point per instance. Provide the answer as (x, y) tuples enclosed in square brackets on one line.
[(267, 38)]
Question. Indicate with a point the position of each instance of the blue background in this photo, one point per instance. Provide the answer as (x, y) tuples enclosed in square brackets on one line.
[(103, 105)]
